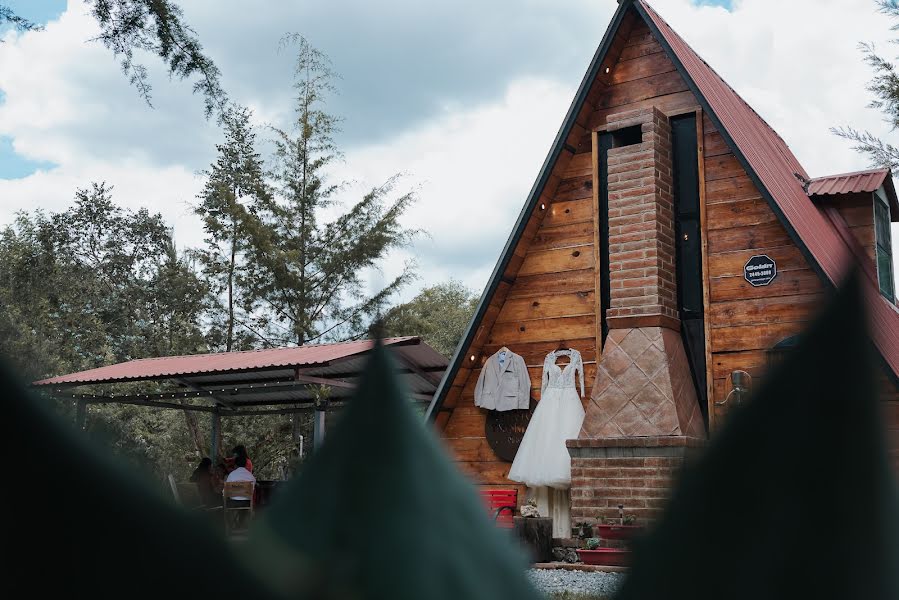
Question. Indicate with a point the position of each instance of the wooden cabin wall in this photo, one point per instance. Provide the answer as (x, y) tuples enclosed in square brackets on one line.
[(889, 392), (547, 296), (858, 212), (745, 321)]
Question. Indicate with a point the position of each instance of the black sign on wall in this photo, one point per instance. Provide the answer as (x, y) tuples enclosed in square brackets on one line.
[(760, 270)]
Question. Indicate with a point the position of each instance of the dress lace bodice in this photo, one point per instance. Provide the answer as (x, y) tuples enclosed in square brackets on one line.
[(555, 376)]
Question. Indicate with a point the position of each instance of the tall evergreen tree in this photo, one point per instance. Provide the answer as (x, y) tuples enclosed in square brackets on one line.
[(885, 88), (311, 270), (234, 182)]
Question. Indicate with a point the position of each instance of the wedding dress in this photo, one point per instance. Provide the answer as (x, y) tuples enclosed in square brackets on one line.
[(542, 458)]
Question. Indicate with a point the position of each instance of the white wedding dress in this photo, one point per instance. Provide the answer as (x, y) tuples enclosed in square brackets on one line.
[(542, 458)]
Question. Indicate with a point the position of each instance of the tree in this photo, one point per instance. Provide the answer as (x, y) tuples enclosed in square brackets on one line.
[(98, 284), (156, 27), (310, 271), (439, 314), (20, 23), (885, 88), (233, 182)]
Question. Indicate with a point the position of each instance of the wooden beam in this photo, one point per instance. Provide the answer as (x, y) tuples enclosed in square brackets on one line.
[(137, 401), (430, 377), (308, 379), (197, 388), (704, 249), (597, 261)]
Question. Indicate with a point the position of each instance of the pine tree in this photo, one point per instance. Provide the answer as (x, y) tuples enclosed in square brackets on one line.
[(234, 183), (311, 271), (885, 87)]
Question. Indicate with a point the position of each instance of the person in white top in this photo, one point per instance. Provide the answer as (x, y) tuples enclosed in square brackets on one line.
[(240, 473)]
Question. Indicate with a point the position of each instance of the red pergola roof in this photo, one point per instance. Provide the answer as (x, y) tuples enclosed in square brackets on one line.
[(169, 367)]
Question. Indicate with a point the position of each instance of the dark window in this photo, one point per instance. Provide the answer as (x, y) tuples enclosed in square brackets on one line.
[(629, 136), (884, 246), (605, 143), (688, 244)]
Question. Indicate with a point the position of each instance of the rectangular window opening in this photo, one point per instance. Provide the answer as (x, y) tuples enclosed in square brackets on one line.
[(884, 247), (628, 136)]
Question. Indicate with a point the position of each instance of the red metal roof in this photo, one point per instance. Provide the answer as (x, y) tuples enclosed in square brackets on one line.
[(181, 366), (776, 167), (848, 183)]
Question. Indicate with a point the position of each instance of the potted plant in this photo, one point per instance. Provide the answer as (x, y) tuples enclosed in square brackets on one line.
[(592, 554), (623, 528), (583, 530)]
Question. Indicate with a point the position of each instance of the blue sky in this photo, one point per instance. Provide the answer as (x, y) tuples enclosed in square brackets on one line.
[(12, 165), (463, 96), (39, 11), (408, 107)]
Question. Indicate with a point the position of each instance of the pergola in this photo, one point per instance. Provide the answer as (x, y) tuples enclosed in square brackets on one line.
[(257, 382)]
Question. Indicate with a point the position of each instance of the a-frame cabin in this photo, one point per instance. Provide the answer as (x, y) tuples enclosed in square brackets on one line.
[(660, 194)]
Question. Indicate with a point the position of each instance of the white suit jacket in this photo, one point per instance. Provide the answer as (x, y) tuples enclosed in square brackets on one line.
[(503, 388)]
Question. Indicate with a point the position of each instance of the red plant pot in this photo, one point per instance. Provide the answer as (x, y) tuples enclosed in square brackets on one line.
[(617, 532), (607, 557)]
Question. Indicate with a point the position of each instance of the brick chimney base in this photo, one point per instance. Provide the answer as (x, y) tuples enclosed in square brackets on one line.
[(635, 472)]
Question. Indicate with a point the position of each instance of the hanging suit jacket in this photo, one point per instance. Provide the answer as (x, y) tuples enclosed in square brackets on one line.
[(506, 387)]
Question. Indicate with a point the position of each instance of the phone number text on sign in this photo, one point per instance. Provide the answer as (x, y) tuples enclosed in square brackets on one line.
[(760, 270)]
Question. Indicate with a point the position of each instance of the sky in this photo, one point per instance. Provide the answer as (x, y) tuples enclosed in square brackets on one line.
[(463, 98)]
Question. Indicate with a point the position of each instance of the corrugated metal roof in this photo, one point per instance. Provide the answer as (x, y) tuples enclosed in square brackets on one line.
[(774, 165), (848, 183), (170, 367)]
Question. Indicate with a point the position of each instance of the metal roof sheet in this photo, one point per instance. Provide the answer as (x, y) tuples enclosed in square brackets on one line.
[(848, 183), (170, 367), (770, 160)]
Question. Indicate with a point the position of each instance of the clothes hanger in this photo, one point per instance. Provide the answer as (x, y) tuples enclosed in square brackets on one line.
[(506, 350)]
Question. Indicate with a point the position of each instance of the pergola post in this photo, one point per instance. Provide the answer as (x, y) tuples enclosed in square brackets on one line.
[(318, 427), (216, 432), (80, 414)]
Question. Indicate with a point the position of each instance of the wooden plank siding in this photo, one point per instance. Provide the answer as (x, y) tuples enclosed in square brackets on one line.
[(548, 296), (745, 321)]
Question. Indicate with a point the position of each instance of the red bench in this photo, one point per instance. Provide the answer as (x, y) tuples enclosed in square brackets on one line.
[(502, 505)]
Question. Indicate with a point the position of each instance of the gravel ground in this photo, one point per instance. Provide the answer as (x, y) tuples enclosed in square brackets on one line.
[(594, 584)]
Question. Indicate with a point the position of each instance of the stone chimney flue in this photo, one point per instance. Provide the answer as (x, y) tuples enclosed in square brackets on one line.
[(643, 385)]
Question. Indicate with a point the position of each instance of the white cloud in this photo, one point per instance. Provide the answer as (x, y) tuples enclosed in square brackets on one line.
[(474, 159), (474, 168)]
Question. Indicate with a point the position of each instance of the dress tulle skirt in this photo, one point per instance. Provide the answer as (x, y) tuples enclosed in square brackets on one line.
[(542, 458)]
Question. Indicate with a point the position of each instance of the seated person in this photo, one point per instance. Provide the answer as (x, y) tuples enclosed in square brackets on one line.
[(206, 487), (240, 473), (242, 451)]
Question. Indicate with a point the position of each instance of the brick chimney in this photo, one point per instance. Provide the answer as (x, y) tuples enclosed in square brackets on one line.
[(643, 418), (643, 385)]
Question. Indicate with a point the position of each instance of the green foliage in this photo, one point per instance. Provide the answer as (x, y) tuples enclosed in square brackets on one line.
[(885, 89), (20, 23), (592, 543), (308, 273), (97, 284), (234, 187), (439, 314), (157, 27)]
